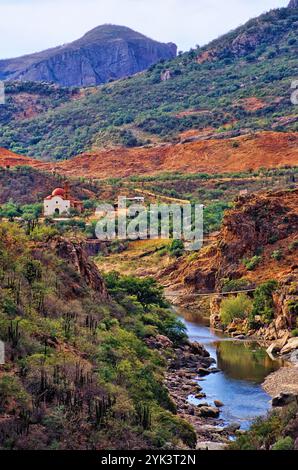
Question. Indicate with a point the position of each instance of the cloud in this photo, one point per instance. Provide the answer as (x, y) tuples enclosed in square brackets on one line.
[(31, 25)]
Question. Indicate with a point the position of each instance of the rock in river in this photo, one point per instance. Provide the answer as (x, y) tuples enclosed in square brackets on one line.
[(218, 403), (284, 399), (208, 412)]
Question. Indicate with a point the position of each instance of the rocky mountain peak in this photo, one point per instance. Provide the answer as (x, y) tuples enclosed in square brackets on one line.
[(107, 52), (293, 4)]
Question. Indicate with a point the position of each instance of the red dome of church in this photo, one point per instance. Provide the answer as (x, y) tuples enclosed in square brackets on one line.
[(58, 192)]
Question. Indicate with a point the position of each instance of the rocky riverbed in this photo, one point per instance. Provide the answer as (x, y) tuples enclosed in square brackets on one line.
[(187, 368), (188, 364)]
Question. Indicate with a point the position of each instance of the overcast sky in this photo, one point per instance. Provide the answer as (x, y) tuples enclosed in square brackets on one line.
[(32, 25)]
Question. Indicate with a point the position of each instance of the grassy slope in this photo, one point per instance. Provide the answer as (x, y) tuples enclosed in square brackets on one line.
[(131, 111)]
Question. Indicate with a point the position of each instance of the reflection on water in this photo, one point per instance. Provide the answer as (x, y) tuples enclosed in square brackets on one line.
[(244, 366), (244, 361)]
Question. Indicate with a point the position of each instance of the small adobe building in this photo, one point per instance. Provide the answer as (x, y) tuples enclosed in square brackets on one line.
[(60, 202)]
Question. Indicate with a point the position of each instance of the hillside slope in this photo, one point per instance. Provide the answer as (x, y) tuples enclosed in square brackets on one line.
[(240, 82), (78, 372), (28, 185), (249, 152), (104, 53)]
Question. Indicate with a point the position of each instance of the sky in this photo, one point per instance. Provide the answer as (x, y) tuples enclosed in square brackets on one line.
[(28, 26)]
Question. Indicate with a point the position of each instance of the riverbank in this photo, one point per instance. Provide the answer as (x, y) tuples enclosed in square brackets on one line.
[(218, 391), (188, 367), (284, 380)]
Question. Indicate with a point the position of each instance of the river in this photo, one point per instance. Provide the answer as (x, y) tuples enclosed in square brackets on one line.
[(244, 366)]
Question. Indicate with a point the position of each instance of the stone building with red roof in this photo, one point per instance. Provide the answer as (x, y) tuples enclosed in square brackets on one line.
[(60, 202)]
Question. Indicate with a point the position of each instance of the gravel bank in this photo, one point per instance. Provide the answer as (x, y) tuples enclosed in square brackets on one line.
[(283, 380)]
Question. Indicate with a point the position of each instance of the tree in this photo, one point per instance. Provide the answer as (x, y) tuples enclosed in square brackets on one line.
[(32, 271), (235, 307)]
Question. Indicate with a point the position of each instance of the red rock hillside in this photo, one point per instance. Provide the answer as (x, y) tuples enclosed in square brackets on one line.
[(261, 225), (264, 149)]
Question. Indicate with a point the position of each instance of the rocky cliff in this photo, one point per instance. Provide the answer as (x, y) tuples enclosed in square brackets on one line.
[(105, 53), (75, 254), (258, 225)]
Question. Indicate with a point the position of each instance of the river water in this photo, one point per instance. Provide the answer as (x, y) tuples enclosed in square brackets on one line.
[(244, 366)]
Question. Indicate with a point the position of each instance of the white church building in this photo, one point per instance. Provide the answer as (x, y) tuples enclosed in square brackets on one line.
[(60, 202)]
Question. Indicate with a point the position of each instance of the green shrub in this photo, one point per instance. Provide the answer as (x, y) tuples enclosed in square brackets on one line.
[(294, 245), (176, 248), (293, 307), (263, 302), (147, 291), (235, 307), (252, 263), (235, 145), (11, 390), (277, 255), (232, 285), (285, 443)]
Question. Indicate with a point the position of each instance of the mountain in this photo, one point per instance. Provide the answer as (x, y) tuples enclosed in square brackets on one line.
[(293, 4), (236, 85), (105, 53)]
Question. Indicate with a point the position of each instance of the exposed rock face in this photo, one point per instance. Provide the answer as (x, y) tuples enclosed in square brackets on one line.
[(264, 222), (293, 4), (74, 253), (257, 221), (105, 53)]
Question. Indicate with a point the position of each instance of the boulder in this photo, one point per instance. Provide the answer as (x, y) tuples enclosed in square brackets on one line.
[(164, 341), (218, 403), (208, 412), (197, 348), (232, 428), (199, 396), (284, 399), (291, 345), (202, 371), (274, 347)]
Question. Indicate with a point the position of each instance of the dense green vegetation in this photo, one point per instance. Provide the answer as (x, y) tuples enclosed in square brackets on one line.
[(275, 432), (263, 302), (235, 307), (142, 108), (243, 307), (78, 374)]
